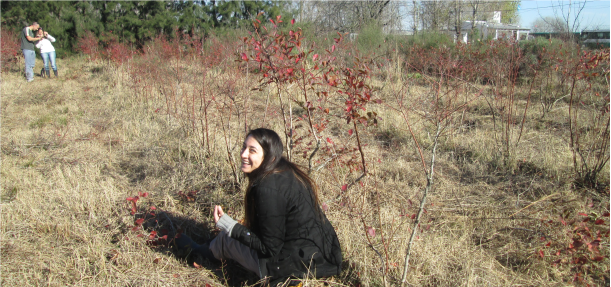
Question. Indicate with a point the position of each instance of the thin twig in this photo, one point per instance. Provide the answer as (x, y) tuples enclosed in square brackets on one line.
[(542, 199), (429, 184)]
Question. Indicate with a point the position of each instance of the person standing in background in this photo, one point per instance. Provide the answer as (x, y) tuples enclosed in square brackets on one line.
[(27, 47), (47, 51)]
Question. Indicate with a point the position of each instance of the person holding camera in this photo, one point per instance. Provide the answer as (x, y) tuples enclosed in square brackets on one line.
[(28, 39), (47, 51)]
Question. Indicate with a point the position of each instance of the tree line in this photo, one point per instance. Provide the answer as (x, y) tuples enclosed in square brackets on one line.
[(136, 22), (131, 22)]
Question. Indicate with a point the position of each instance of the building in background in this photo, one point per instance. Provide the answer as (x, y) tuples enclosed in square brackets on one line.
[(477, 30)]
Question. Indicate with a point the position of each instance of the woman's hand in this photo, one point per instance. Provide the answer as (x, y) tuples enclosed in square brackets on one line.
[(218, 213)]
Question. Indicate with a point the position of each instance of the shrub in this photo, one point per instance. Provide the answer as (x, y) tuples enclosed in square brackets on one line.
[(370, 38), (10, 49), (88, 44), (430, 40), (417, 48)]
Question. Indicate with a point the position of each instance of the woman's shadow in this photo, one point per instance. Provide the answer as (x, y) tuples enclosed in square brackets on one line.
[(167, 225)]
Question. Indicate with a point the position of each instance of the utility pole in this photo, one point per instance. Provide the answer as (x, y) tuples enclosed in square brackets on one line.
[(300, 11), (457, 23), (415, 17), (568, 28)]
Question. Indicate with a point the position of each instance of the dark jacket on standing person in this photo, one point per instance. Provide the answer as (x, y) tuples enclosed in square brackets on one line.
[(291, 234)]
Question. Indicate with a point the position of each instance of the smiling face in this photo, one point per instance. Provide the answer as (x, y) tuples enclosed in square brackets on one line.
[(252, 155)]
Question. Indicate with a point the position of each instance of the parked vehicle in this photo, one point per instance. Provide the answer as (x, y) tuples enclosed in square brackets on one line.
[(598, 38)]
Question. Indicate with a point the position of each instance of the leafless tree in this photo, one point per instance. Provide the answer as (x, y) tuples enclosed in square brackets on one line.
[(549, 24), (449, 15), (434, 14), (570, 14), (351, 16)]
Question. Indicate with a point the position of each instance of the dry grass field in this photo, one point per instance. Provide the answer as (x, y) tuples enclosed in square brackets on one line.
[(74, 148)]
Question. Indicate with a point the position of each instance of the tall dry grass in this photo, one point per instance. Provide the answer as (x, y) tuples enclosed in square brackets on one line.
[(74, 148)]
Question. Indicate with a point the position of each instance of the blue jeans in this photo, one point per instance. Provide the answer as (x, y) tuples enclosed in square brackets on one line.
[(49, 56), (30, 61)]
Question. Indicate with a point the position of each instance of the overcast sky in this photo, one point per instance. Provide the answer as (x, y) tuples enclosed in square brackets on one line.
[(595, 14)]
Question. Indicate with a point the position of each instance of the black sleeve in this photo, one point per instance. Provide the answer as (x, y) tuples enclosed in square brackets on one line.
[(270, 214)]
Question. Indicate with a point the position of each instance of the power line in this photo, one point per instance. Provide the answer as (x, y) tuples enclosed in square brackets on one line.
[(501, 2), (536, 8)]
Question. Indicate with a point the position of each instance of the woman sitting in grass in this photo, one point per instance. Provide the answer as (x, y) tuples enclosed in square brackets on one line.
[(285, 233)]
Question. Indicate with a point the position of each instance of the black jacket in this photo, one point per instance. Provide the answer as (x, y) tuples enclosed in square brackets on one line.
[(290, 233)]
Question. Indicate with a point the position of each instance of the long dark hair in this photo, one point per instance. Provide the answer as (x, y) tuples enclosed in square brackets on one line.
[(273, 162)]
